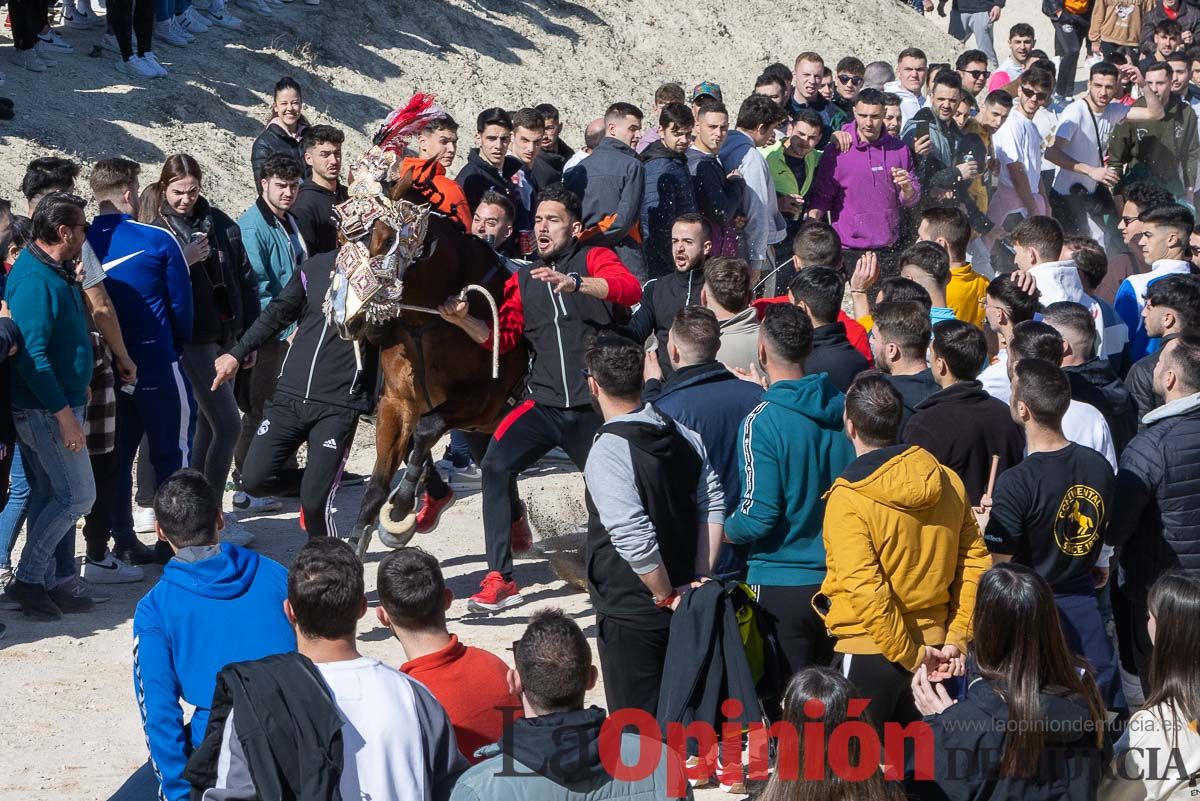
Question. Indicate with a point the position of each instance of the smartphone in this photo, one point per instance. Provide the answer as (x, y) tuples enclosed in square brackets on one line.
[(922, 128)]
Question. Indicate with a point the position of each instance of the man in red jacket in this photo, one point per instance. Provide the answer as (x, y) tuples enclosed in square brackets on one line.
[(557, 305)]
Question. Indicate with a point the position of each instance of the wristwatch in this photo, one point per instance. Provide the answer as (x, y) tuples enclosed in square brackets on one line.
[(578, 279), (665, 603)]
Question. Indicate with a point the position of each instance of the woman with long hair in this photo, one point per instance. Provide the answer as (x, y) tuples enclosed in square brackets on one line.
[(225, 302), (284, 130), (822, 696), (1160, 751), (1031, 724)]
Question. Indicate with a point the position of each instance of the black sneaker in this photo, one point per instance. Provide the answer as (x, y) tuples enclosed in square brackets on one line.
[(138, 554), (34, 600), (69, 602), (352, 479)]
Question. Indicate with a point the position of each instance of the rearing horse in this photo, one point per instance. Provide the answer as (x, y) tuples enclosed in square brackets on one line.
[(435, 377)]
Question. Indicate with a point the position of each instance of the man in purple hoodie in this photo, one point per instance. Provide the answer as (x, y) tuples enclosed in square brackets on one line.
[(863, 189)]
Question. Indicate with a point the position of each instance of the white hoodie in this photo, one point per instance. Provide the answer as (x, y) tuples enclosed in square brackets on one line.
[(910, 103), (1059, 280)]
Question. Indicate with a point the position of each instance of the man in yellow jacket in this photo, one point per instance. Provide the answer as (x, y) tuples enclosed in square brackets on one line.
[(903, 558)]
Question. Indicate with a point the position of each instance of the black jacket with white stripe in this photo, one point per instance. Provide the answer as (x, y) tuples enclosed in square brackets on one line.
[(320, 367)]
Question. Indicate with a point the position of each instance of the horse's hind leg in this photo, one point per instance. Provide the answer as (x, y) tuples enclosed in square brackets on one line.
[(400, 520)]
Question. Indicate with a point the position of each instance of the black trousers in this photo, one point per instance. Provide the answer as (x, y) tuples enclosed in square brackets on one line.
[(98, 523), (800, 631), (1133, 636), (527, 434), (631, 661), (255, 387), (130, 18), (886, 685), (28, 18), (287, 423)]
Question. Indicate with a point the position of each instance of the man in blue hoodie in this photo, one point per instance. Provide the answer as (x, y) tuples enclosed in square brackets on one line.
[(792, 449), (215, 604), (147, 278)]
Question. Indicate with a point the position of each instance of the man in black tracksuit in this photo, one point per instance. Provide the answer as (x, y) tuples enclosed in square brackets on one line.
[(662, 298), (323, 387), (557, 305), (321, 190)]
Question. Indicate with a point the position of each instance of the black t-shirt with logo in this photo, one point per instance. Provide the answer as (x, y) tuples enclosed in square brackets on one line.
[(1050, 512)]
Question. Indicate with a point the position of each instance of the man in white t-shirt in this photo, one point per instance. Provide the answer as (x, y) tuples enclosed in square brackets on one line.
[(397, 741), (1080, 148), (1018, 146)]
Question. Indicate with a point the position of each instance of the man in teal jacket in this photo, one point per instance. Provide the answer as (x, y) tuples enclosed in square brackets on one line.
[(792, 449), (49, 391), (275, 248)]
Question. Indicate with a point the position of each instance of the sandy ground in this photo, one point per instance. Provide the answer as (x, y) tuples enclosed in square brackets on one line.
[(69, 726)]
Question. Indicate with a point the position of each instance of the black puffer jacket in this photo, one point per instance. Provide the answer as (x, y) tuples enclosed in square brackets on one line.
[(1158, 518), (1095, 382), (1140, 382), (274, 139)]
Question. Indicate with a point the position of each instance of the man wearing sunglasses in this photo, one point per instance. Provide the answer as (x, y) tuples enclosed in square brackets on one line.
[(1165, 151), (1018, 146), (972, 68), (848, 82)]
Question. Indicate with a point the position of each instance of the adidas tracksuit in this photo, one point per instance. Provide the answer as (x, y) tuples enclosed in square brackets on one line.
[(323, 387), (147, 278)]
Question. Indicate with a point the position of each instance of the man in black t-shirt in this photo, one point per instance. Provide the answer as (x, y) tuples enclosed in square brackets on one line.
[(1050, 512)]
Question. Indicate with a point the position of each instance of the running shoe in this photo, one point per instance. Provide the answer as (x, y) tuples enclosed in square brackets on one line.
[(111, 570), (431, 511), (248, 503), (495, 594)]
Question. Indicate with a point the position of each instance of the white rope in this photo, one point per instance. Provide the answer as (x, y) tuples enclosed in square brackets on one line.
[(495, 320)]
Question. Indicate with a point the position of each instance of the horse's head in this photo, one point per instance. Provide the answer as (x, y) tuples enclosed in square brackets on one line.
[(381, 235)]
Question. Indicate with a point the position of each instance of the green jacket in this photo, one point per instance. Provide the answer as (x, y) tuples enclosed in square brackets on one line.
[(269, 250), (792, 449), (54, 365), (781, 173)]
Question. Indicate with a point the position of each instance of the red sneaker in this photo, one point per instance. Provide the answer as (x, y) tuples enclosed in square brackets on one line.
[(495, 594), (303, 527), (431, 511), (522, 536)]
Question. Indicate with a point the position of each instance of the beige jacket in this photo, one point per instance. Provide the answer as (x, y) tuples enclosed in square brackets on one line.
[(1118, 22)]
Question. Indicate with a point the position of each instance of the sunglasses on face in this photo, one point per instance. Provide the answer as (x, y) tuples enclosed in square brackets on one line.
[(1041, 97), (978, 75), (850, 80)]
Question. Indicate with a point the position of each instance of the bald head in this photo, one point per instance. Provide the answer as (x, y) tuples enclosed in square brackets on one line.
[(593, 133)]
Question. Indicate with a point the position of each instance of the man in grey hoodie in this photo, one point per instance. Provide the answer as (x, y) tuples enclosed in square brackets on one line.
[(655, 514), (610, 182), (727, 293)]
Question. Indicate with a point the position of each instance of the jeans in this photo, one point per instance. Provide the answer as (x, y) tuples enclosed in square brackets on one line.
[(962, 26), (15, 510), (61, 490), (1070, 32)]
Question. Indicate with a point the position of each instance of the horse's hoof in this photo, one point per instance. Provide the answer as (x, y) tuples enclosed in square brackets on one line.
[(397, 533)]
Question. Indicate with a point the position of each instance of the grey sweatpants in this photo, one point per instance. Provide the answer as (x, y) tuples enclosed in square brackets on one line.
[(963, 26)]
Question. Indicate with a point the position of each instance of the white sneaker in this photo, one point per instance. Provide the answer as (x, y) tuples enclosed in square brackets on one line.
[(142, 69), (111, 570), (234, 534), (166, 33), (74, 19), (99, 5), (248, 503), (151, 61), (192, 21), (77, 587), (191, 37), (29, 59), (109, 42), (47, 54), (466, 478), (51, 39), (222, 19), (143, 516)]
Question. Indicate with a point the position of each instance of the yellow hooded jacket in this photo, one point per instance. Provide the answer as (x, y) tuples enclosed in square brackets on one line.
[(904, 557)]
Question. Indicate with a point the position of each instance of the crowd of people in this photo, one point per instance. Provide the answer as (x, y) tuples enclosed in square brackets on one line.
[(884, 384)]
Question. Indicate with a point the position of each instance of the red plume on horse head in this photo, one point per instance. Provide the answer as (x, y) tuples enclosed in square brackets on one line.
[(406, 121)]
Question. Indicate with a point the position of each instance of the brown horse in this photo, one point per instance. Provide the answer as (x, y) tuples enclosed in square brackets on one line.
[(435, 377)]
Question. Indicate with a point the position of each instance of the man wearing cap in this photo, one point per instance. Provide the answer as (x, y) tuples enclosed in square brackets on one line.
[(705, 91), (806, 80)]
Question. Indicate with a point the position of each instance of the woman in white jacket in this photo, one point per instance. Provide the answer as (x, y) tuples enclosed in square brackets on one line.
[(1160, 751)]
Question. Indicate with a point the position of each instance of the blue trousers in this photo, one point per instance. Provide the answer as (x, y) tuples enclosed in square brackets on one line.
[(1084, 629), (161, 407)]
